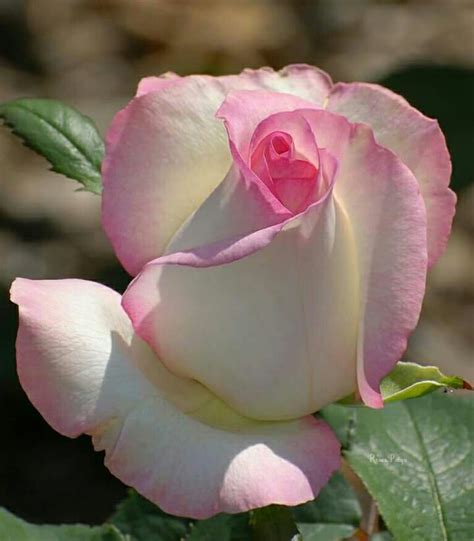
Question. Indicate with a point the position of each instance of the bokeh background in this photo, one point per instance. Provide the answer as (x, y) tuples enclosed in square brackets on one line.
[(91, 53)]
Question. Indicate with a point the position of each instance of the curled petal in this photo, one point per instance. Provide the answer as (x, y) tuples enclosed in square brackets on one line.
[(243, 111), (415, 139), (381, 199), (170, 438)]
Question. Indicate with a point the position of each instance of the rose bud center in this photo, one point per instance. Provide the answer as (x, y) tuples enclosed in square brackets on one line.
[(288, 174)]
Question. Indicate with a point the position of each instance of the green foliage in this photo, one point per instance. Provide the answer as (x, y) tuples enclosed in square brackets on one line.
[(65, 137), (415, 458), (381, 536), (334, 515), (222, 527), (273, 523), (411, 380), (143, 521), (15, 529)]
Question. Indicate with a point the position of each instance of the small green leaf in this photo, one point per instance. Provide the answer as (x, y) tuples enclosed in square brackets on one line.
[(411, 380), (66, 138), (416, 458), (13, 528), (273, 523), (144, 521), (335, 514)]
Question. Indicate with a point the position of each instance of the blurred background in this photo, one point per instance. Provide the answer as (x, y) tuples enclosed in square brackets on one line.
[(91, 54)]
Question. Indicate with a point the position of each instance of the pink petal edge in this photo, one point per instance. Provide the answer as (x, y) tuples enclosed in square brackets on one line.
[(416, 139)]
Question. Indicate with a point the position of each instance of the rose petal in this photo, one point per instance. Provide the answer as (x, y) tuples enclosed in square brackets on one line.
[(153, 84), (165, 153), (388, 220), (238, 207), (302, 80), (415, 139), (83, 368), (243, 111)]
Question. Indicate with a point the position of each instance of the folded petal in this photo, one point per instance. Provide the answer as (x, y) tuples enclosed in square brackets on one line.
[(170, 438), (165, 153), (381, 200), (415, 139), (238, 207)]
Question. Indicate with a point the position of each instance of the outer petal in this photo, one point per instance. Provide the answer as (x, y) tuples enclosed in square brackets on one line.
[(415, 139), (85, 371), (165, 153)]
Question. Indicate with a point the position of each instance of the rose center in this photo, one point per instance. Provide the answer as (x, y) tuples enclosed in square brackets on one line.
[(291, 177)]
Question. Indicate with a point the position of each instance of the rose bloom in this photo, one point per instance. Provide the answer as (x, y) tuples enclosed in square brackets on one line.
[(279, 229)]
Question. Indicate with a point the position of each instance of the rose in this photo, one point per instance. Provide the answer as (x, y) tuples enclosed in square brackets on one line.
[(280, 229)]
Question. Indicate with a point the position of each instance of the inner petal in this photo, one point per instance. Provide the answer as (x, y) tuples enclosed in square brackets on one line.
[(290, 176)]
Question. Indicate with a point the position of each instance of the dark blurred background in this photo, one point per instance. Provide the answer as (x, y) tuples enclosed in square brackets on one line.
[(91, 54)]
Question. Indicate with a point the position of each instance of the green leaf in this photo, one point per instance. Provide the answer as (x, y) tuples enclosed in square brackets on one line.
[(416, 458), (411, 380), (66, 138), (144, 521), (222, 527), (381, 536), (13, 528), (273, 523), (342, 421), (335, 514)]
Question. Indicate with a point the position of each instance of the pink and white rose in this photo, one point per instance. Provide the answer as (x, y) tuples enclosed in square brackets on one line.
[(279, 229)]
